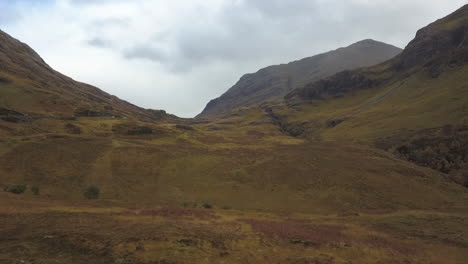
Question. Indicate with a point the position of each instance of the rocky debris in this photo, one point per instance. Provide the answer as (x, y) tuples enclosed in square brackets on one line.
[(157, 114), (334, 123), (8, 112), (4, 80), (292, 129), (92, 113), (11, 116), (72, 129), (444, 149)]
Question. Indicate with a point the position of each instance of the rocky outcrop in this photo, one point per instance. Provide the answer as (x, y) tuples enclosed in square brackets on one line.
[(11, 116), (443, 43), (443, 148), (343, 82)]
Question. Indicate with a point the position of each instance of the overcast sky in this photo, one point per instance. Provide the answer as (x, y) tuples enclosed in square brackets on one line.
[(176, 55)]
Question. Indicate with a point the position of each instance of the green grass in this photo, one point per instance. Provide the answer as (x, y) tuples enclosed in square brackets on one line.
[(419, 103)]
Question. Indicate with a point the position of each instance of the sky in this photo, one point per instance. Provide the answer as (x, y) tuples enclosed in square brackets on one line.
[(177, 55)]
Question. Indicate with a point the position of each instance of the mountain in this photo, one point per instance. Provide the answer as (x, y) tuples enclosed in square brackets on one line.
[(31, 88), (437, 48), (273, 82), (414, 105)]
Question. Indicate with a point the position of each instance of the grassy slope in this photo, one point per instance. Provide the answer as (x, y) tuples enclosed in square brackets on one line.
[(244, 166), (418, 102)]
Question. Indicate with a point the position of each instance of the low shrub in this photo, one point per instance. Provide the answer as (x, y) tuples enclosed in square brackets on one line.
[(16, 189), (207, 206), (92, 193), (35, 190)]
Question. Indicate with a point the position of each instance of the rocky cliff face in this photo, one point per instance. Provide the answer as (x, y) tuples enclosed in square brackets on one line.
[(274, 82), (439, 46)]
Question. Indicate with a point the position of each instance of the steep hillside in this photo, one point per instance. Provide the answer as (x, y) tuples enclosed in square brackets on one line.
[(404, 100), (29, 88), (272, 83)]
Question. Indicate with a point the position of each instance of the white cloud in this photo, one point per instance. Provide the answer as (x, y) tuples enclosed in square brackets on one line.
[(177, 55)]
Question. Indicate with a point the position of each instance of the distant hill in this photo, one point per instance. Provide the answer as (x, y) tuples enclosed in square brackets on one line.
[(274, 82)]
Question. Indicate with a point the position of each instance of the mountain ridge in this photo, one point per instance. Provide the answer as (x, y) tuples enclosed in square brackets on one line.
[(273, 82)]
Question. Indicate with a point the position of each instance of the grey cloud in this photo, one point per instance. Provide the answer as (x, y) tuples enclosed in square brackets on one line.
[(99, 42), (257, 29), (93, 2), (282, 9), (110, 22), (146, 52), (242, 32)]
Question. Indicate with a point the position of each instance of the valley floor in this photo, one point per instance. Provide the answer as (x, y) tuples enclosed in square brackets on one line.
[(38, 230)]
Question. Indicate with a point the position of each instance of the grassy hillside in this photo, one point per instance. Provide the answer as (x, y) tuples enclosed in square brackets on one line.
[(393, 105), (413, 103), (172, 165)]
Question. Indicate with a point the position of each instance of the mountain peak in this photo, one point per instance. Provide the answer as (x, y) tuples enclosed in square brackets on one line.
[(369, 42), (273, 82)]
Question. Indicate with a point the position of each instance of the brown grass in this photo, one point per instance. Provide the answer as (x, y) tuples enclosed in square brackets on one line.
[(178, 213), (295, 231)]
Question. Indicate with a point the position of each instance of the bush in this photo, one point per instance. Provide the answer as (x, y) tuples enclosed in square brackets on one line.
[(35, 190), (16, 189), (92, 193), (207, 206)]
